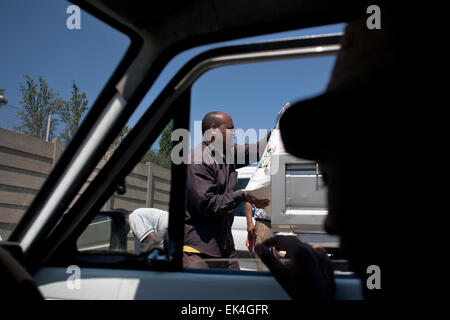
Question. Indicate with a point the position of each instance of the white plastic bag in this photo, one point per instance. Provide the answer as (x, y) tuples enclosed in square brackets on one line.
[(259, 184)]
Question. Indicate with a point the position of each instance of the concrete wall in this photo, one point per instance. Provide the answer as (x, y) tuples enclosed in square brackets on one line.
[(25, 163), (148, 185)]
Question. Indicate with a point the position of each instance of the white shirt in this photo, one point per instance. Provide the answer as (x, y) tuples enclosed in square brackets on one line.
[(146, 220)]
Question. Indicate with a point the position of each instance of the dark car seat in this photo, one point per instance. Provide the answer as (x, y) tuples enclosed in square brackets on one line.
[(15, 281)]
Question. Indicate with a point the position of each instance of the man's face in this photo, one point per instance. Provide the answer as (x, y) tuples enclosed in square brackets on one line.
[(332, 179), (226, 129), (352, 211)]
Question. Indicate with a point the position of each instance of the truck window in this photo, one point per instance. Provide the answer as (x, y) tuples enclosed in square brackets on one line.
[(254, 106), (253, 94), (135, 218), (59, 58)]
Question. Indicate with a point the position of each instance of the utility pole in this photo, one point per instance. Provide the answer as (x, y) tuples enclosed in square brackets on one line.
[(48, 127)]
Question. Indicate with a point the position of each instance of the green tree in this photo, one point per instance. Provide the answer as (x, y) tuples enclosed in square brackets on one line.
[(38, 103), (157, 158), (71, 113), (162, 156), (165, 143)]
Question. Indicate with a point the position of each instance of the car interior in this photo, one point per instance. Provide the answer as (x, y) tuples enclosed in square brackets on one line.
[(55, 229)]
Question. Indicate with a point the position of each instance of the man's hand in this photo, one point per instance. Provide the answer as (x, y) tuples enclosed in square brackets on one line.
[(251, 230), (152, 236), (309, 274), (259, 203), (251, 237), (250, 241)]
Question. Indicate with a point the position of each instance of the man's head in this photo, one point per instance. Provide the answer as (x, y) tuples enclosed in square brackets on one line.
[(218, 128), (357, 141)]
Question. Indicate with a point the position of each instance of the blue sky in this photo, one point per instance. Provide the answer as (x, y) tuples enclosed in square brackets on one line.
[(36, 41)]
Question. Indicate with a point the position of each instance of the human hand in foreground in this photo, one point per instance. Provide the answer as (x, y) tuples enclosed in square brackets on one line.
[(308, 275), (259, 203)]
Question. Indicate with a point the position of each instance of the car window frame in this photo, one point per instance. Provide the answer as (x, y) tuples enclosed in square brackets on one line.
[(92, 116), (172, 103)]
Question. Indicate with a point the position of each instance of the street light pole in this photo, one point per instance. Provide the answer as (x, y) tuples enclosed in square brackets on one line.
[(48, 127)]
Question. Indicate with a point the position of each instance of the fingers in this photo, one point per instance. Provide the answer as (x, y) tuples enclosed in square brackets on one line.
[(250, 244), (290, 244), (271, 262)]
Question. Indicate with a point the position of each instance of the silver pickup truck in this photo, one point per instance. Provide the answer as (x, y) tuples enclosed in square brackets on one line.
[(298, 202)]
